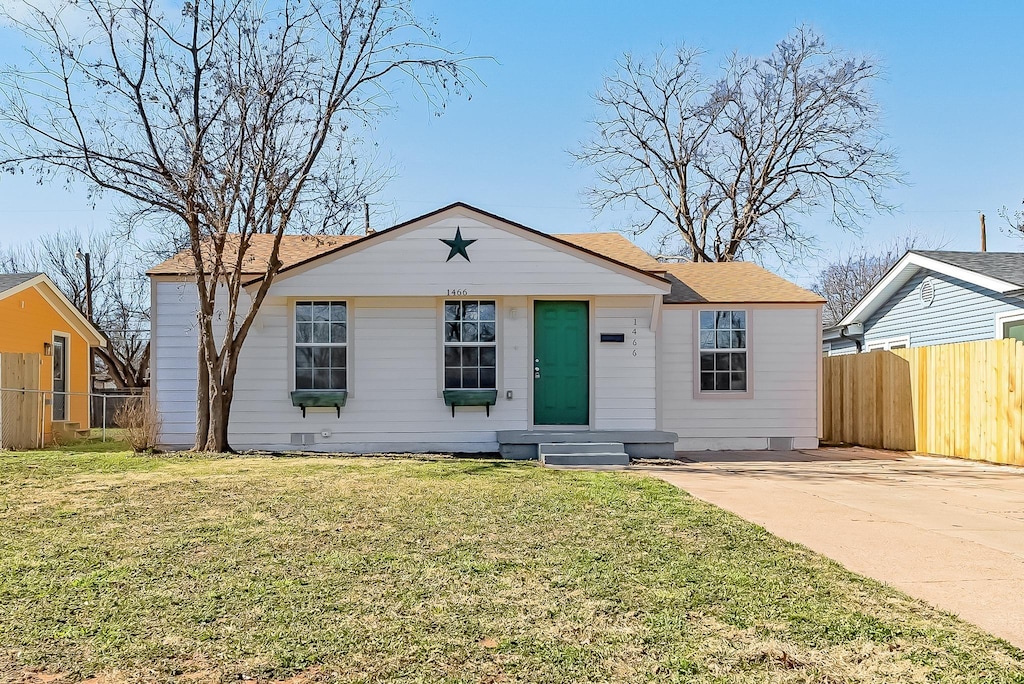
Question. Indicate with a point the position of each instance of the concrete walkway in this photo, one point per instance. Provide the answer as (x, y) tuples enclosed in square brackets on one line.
[(946, 531)]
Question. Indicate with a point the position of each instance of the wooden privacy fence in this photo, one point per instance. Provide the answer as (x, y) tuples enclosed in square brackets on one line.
[(19, 401), (964, 400)]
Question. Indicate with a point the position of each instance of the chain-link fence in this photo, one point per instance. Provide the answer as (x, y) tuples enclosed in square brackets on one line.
[(30, 418), (107, 406)]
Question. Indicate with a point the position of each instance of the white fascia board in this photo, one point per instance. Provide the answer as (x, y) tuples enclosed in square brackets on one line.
[(904, 269)]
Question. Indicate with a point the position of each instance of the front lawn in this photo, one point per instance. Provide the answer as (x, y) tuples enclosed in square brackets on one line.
[(431, 570)]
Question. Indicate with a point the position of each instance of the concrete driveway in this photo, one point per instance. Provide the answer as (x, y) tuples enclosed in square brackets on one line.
[(947, 531)]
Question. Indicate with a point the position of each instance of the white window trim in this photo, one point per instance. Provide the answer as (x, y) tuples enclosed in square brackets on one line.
[(723, 394), (293, 343), (67, 375), (499, 315), (888, 343), (1006, 317)]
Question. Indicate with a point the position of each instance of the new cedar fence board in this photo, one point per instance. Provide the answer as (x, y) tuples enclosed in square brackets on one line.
[(964, 400), (19, 410)]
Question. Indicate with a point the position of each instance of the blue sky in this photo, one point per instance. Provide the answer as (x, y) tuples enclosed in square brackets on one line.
[(952, 97)]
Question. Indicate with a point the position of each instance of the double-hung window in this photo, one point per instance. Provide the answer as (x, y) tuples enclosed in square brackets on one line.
[(321, 345), (723, 351), (470, 351)]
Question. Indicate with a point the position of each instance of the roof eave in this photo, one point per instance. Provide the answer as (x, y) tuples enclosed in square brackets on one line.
[(888, 285), (462, 205)]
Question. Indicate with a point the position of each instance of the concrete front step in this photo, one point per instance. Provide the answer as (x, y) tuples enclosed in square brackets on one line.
[(583, 454), (523, 444), (586, 459), (580, 448)]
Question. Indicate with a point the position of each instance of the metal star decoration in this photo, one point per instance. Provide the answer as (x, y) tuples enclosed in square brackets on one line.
[(458, 245)]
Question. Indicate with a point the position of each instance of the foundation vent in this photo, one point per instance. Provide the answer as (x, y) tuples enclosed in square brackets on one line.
[(303, 438)]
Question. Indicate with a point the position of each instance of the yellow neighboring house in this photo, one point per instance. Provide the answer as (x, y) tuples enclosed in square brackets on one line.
[(36, 318)]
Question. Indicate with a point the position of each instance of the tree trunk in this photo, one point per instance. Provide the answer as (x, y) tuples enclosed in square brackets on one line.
[(202, 403), (220, 412)]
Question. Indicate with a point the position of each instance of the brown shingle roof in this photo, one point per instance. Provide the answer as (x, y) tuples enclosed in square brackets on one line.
[(615, 246), (294, 248), (298, 248), (737, 282)]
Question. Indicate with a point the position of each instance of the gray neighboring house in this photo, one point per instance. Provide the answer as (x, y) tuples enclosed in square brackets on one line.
[(936, 297)]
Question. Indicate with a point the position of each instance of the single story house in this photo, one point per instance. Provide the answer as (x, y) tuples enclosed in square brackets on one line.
[(936, 297), (36, 318), (461, 331)]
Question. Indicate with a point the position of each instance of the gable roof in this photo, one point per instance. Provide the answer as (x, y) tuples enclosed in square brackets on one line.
[(691, 283), (13, 283), (1001, 272), (301, 250), (537, 235), (11, 280), (294, 249), (734, 282)]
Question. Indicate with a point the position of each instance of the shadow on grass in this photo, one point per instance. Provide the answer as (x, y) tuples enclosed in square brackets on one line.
[(90, 445)]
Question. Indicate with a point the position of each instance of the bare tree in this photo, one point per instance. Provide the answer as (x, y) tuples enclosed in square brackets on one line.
[(1014, 221), (844, 281), (731, 162), (229, 119), (120, 293)]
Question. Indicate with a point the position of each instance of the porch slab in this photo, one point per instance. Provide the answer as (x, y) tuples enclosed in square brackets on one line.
[(522, 444)]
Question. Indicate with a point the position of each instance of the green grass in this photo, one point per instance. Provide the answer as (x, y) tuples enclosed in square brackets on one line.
[(432, 570)]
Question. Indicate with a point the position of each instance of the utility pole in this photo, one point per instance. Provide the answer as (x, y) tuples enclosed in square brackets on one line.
[(88, 282), (984, 238), (88, 314)]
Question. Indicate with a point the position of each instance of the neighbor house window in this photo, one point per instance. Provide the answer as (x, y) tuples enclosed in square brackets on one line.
[(723, 351), (895, 343), (1010, 325), (470, 353), (321, 337)]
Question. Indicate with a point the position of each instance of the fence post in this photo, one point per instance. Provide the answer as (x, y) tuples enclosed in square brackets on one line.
[(104, 439)]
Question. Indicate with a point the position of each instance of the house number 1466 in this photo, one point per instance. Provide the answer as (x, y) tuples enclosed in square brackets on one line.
[(458, 293)]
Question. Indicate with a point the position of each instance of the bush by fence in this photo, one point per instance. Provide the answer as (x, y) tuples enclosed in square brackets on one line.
[(105, 405), (964, 400)]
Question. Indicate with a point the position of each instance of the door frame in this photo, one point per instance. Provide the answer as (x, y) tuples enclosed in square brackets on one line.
[(67, 376), (591, 365)]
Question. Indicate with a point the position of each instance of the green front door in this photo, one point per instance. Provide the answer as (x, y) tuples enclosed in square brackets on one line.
[(561, 375)]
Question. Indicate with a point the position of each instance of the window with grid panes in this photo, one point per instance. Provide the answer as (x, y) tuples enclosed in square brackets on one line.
[(470, 349), (723, 351), (321, 338)]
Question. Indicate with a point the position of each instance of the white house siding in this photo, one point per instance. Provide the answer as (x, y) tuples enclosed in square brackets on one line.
[(394, 289), (394, 401), (174, 363), (624, 394), (784, 376), (502, 263)]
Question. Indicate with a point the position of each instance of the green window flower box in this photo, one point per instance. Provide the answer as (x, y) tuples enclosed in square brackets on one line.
[(470, 397), (319, 399)]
